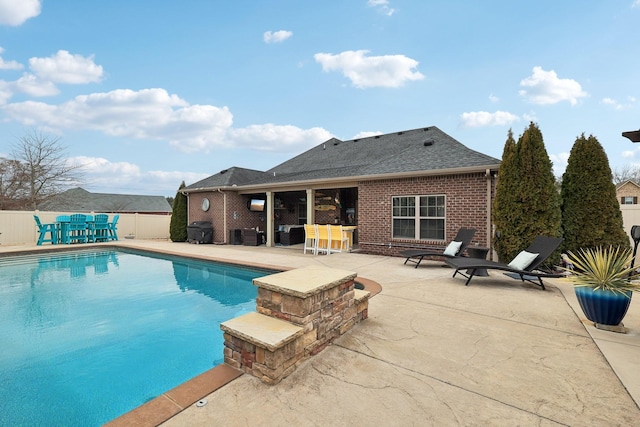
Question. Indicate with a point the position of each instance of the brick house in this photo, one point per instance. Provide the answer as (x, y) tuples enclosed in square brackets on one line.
[(406, 189)]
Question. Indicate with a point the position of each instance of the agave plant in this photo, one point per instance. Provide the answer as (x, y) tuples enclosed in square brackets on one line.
[(604, 268)]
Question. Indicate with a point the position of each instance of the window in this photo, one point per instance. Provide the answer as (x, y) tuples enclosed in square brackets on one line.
[(629, 200), (418, 217)]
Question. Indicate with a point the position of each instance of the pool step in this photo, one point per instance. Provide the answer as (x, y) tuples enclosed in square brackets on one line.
[(299, 313)]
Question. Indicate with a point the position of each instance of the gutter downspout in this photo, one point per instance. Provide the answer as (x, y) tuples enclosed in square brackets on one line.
[(224, 216), (489, 177)]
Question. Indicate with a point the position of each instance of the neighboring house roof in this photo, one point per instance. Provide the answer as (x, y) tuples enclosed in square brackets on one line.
[(406, 153), (80, 200), (627, 182)]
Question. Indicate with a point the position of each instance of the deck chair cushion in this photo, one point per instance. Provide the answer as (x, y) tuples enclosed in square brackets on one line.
[(452, 249), (523, 260)]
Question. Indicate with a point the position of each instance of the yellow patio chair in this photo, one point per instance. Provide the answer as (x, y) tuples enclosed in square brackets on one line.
[(324, 239), (338, 241), (311, 238)]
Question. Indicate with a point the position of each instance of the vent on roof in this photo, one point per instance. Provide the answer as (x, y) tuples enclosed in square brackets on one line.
[(377, 136), (400, 133), (428, 142), (223, 171), (336, 142), (426, 129), (355, 140)]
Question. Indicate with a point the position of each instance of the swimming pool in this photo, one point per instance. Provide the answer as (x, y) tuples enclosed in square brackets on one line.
[(88, 335)]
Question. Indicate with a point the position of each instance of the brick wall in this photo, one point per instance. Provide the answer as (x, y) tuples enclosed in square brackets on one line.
[(239, 215), (466, 206)]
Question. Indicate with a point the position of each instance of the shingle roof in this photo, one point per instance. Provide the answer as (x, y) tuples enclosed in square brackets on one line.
[(80, 200), (417, 150), (229, 177)]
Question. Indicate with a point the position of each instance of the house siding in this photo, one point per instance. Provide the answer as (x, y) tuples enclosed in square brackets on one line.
[(466, 206), (628, 189)]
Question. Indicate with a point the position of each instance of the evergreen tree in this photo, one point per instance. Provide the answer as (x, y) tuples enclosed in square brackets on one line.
[(591, 215), (178, 225), (539, 197), (506, 201), (527, 203)]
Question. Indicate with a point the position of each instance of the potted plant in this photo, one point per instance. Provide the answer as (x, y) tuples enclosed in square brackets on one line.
[(603, 283)]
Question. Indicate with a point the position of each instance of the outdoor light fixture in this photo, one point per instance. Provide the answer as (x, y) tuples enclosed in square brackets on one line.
[(633, 135)]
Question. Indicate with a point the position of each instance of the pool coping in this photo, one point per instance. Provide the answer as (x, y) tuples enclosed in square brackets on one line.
[(172, 402)]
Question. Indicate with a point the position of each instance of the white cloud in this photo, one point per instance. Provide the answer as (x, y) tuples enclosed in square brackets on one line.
[(144, 114), (630, 153), (559, 161), (636, 3), (544, 87), (366, 134), (371, 71), (382, 6), (617, 105), (33, 86), (66, 68), (270, 137), (16, 12), (154, 114), (493, 98), (62, 67), (9, 65), (277, 36), (103, 176), (484, 118)]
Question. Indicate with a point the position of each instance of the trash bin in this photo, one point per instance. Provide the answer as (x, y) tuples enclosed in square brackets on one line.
[(235, 236), (200, 232)]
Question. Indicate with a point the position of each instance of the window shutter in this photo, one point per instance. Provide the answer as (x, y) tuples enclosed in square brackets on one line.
[(635, 200)]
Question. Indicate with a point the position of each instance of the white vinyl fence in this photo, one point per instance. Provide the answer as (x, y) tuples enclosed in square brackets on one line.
[(630, 217), (19, 227)]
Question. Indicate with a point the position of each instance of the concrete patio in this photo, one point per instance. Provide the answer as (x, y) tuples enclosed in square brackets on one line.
[(435, 352)]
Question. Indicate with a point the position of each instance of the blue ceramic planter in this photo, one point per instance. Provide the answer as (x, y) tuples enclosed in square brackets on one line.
[(603, 307)]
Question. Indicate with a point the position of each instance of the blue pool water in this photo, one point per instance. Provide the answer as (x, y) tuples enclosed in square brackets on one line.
[(88, 335)]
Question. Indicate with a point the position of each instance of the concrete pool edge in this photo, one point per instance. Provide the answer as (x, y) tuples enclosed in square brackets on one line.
[(176, 400)]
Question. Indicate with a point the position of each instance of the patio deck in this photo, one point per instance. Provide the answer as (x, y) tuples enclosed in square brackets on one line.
[(435, 352)]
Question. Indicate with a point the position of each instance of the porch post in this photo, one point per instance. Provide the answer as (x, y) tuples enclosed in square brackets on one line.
[(311, 212), (270, 224)]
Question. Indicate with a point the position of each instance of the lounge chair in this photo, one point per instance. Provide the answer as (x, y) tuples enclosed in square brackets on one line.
[(523, 267), (454, 249)]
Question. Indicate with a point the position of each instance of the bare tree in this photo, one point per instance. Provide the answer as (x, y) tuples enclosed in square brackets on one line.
[(625, 173), (41, 168), (12, 189)]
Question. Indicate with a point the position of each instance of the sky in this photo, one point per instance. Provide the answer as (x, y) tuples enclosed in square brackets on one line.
[(146, 94)]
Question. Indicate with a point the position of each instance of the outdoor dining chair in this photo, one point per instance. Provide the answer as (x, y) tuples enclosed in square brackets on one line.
[(311, 238), (100, 228), (77, 228), (113, 228), (45, 229), (339, 241)]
